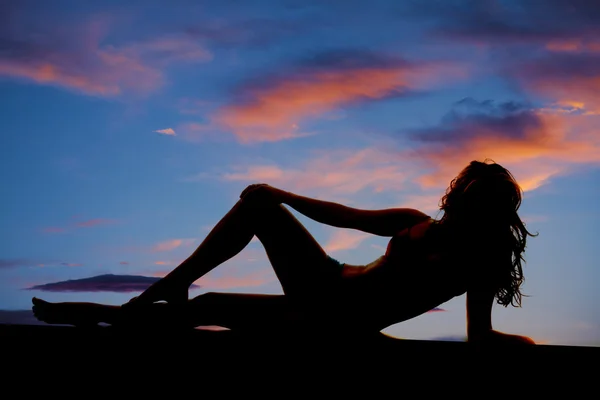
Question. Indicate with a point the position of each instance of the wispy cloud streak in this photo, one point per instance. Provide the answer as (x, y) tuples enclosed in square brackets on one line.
[(171, 244), (344, 240), (100, 283), (90, 223)]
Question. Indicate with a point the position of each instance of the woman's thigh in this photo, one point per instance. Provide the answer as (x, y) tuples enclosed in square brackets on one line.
[(245, 311), (300, 263), (254, 312)]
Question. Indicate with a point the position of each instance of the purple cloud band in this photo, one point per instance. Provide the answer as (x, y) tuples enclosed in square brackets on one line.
[(101, 283)]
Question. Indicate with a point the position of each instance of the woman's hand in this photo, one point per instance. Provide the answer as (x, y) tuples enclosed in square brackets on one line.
[(263, 194)]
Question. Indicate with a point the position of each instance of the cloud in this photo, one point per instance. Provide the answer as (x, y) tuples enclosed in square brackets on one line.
[(450, 338), (21, 262), (571, 79), (94, 222), (123, 263), (80, 224), (15, 262), (530, 22), (247, 32), (71, 264), (167, 131), (437, 309), (574, 45), (552, 48), (241, 271), (533, 144), (275, 106), (80, 56), (240, 280), (329, 174), (101, 283), (171, 244), (53, 229), (423, 202), (344, 240)]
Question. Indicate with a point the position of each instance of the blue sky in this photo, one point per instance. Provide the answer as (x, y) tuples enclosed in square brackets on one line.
[(131, 127)]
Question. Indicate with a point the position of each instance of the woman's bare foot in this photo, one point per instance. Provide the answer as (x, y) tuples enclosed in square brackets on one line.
[(162, 290), (78, 314)]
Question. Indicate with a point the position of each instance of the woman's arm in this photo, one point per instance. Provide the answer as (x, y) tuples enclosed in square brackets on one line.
[(479, 313), (479, 320), (386, 222)]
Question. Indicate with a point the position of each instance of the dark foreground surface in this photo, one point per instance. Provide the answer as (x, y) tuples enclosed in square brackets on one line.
[(197, 359)]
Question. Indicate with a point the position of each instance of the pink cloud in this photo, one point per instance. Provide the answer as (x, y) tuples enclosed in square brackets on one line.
[(424, 202), (251, 279), (344, 240), (171, 244), (211, 328), (167, 131), (123, 263), (78, 56), (574, 45), (331, 173)]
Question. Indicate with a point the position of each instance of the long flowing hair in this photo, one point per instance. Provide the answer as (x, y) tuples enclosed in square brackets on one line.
[(482, 202)]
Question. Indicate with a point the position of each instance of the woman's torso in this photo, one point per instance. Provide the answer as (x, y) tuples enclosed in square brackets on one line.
[(416, 274)]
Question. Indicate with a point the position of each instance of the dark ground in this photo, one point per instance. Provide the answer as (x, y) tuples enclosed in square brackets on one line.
[(259, 364)]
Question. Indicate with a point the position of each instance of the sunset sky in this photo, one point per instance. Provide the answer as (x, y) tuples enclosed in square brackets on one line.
[(130, 127)]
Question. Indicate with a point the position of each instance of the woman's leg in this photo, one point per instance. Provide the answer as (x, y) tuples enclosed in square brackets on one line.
[(74, 313), (299, 262), (228, 310)]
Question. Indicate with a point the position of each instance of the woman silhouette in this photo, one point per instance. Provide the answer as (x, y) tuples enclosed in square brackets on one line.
[(475, 248)]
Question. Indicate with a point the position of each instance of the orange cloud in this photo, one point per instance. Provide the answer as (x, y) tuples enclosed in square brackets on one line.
[(171, 244), (275, 112), (275, 107), (534, 144), (579, 93)]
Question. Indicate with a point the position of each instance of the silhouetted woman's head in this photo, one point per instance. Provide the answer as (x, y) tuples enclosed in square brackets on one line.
[(483, 200)]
